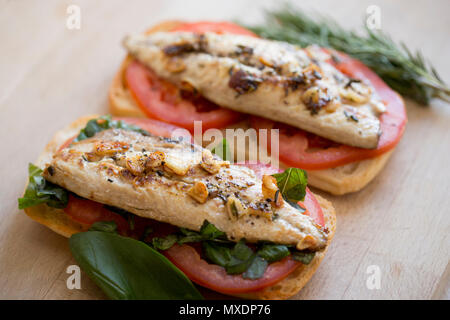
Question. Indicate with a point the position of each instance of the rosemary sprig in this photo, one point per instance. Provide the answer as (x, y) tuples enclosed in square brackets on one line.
[(406, 72)]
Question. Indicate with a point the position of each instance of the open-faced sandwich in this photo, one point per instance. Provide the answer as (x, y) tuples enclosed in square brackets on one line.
[(336, 118), (239, 229)]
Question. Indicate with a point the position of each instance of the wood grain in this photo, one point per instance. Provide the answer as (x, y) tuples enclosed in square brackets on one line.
[(52, 75)]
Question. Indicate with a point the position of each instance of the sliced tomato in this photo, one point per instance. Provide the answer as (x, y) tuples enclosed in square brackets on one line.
[(214, 277), (161, 100), (88, 212), (216, 27), (304, 150)]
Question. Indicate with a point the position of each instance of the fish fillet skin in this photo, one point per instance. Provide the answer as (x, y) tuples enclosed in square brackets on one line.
[(108, 168), (266, 78)]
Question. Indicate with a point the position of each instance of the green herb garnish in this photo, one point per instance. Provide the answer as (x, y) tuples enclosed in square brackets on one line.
[(125, 268), (104, 123), (236, 258), (292, 184), (41, 191), (104, 226), (303, 256), (404, 71), (222, 150)]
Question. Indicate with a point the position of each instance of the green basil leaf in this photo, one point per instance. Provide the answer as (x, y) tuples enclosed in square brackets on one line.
[(125, 268), (209, 231), (241, 257), (189, 236), (241, 251), (273, 252), (217, 253), (164, 243), (105, 226), (303, 257), (222, 150), (104, 123), (292, 184), (41, 191), (256, 268)]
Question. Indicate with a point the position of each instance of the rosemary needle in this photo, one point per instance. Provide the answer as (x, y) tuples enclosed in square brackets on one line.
[(406, 72)]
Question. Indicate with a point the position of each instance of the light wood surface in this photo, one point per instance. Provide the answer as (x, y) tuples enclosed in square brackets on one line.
[(51, 75)]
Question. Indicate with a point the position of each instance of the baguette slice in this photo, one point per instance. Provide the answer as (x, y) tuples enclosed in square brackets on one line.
[(338, 181), (58, 221)]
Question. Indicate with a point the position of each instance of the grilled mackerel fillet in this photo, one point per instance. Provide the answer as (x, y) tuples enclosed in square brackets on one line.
[(267, 78), (182, 184)]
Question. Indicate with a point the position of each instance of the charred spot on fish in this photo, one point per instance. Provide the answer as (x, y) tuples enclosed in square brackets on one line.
[(242, 82), (311, 74), (178, 49), (315, 107), (350, 82), (127, 174), (315, 99), (244, 50), (51, 170), (294, 83), (350, 116), (200, 45)]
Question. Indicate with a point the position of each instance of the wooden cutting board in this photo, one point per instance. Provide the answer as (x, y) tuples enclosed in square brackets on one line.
[(398, 225)]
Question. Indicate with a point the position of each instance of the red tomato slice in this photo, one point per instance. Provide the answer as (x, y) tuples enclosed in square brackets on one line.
[(87, 212), (163, 101), (214, 277), (216, 27), (304, 150)]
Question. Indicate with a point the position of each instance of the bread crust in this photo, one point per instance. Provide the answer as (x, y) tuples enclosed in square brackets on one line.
[(58, 221), (338, 181)]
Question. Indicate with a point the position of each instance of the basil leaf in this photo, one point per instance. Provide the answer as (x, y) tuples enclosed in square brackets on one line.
[(273, 252), (217, 253), (222, 150), (40, 191), (209, 231), (292, 184), (240, 258), (125, 268), (189, 236), (303, 257), (104, 123), (164, 243), (256, 269), (105, 226)]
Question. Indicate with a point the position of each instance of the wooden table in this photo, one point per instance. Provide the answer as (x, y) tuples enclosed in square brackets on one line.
[(51, 75)]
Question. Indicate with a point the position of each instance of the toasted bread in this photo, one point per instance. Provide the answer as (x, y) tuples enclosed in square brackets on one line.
[(58, 221), (338, 181)]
